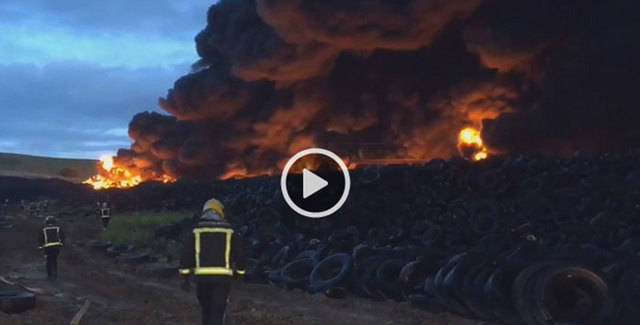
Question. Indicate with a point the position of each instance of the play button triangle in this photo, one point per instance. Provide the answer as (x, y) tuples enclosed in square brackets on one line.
[(311, 183)]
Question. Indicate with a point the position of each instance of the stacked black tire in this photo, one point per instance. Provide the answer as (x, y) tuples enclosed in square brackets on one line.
[(515, 240), (14, 302)]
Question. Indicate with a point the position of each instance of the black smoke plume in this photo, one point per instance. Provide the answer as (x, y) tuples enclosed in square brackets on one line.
[(382, 80)]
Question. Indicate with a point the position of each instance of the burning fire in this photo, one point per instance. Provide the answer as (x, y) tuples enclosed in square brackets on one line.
[(471, 145), (111, 175)]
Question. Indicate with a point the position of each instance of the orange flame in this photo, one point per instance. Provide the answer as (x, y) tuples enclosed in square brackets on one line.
[(470, 144), (111, 175)]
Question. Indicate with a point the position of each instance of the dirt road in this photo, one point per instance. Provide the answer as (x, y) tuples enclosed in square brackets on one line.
[(118, 294)]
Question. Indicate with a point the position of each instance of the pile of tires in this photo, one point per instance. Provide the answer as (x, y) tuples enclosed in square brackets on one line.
[(14, 302), (127, 254), (5, 223), (514, 240), (448, 235)]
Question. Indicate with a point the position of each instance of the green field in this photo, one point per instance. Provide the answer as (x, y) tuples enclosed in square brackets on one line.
[(138, 228), (33, 166)]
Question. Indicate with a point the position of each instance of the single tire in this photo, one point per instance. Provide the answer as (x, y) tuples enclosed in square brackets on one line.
[(13, 302), (412, 276), (435, 304), (431, 236), (484, 217), (117, 250), (536, 207), (453, 286), (522, 285), (556, 293), (161, 270), (330, 272), (321, 253), (297, 273), (113, 252), (135, 257), (364, 277), (442, 290), (498, 292), (425, 302), (493, 181), (473, 291), (369, 175), (628, 295), (282, 257), (388, 278), (397, 235), (336, 292), (362, 252), (305, 254), (99, 245), (275, 278), (533, 184), (483, 224), (255, 272), (124, 247), (6, 226)]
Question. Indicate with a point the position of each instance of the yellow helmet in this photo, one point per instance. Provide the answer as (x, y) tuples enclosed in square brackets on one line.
[(214, 205), (50, 220)]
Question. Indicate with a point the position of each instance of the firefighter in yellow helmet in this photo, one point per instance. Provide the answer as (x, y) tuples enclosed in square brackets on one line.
[(50, 239), (212, 255)]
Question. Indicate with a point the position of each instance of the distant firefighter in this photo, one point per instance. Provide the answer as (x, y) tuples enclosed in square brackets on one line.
[(5, 206), (212, 255), (104, 213), (50, 239)]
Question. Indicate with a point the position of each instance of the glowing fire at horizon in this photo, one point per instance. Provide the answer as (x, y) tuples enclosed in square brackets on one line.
[(111, 175), (470, 144), (114, 175)]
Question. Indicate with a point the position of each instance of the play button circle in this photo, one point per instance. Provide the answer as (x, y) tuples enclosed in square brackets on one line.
[(315, 182)]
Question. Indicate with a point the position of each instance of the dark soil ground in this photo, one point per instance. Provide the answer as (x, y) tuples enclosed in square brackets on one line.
[(120, 294)]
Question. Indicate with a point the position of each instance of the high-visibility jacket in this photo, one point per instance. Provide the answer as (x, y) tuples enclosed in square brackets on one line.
[(105, 213), (51, 236), (212, 250)]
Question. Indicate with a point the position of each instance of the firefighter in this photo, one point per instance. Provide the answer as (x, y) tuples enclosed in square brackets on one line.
[(105, 215), (212, 255), (50, 239), (5, 206)]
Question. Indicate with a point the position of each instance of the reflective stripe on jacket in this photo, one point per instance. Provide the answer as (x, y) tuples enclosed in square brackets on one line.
[(211, 251), (215, 259), (105, 213), (51, 236), (213, 269)]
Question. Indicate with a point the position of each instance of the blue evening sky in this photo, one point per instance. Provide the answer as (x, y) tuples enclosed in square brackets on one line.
[(73, 73)]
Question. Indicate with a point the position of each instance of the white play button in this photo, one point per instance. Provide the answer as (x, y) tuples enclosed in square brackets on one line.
[(305, 200), (311, 183)]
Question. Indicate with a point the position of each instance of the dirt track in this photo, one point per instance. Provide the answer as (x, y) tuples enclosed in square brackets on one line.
[(120, 295)]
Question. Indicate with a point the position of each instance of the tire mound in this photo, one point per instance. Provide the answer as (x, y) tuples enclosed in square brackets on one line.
[(465, 238)]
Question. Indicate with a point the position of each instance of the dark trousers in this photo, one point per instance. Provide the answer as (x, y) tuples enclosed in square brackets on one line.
[(105, 222), (52, 262), (213, 301)]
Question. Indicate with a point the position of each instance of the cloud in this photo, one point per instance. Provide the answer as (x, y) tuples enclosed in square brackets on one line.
[(117, 132), (43, 44), (111, 33), (172, 19), (73, 73), (74, 109)]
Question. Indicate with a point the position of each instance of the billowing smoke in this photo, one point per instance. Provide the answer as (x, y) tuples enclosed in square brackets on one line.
[(382, 80)]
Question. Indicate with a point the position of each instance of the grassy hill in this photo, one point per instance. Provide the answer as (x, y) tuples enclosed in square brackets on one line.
[(32, 166)]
